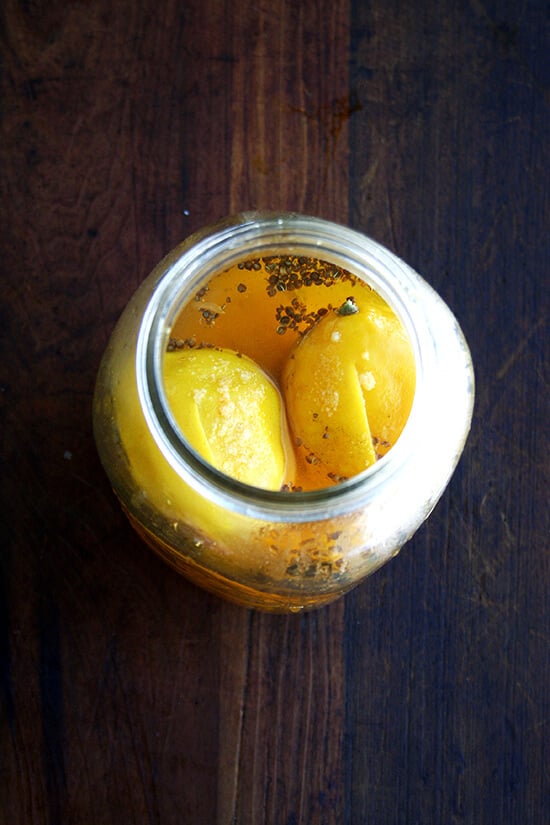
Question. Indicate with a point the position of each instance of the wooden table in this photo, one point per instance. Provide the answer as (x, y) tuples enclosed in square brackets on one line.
[(130, 696)]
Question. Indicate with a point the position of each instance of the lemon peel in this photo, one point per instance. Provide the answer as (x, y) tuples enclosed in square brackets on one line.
[(349, 384)]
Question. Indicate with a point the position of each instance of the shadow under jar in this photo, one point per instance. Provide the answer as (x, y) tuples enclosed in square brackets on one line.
[(276, 550)]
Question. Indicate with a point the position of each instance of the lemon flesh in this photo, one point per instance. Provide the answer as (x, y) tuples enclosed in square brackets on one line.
[(231, 413)]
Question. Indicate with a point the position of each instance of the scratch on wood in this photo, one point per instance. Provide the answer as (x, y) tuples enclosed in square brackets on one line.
[(510, 361), (234, 693), (369, 176), (391, 219), (307, 726)]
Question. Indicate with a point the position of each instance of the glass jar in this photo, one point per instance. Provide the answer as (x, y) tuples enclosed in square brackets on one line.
[(275, 550)]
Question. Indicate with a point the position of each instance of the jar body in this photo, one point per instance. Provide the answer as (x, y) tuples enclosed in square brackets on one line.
[(277, 551)]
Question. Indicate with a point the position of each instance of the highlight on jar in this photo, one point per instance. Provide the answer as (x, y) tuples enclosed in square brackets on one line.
[(280, 407)]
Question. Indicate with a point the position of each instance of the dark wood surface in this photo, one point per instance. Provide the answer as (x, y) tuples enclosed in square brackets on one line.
[(129, 696)]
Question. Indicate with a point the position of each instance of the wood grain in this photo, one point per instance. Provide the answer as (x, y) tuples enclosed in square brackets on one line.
[(128, 695)]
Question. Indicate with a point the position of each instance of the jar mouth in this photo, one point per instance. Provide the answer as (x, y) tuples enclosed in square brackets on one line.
[(190, 266)]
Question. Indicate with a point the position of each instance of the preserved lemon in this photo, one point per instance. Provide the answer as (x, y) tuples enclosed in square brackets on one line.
[(231, 413), (349, 384)]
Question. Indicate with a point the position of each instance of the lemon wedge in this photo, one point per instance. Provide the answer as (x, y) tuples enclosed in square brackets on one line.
[(349, 385)]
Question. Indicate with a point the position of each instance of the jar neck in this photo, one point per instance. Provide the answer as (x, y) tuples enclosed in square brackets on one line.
[(190, 266)]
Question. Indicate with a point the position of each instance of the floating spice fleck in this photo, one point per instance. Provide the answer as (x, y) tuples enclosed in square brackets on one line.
[(337, 479), (349, 307), (311, 458), (180, 343)]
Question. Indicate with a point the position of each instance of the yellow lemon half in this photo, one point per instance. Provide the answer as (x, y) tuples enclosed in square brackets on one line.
[(231, 413)]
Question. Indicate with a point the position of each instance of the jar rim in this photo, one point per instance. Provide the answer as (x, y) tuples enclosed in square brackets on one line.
[(192, 263)]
